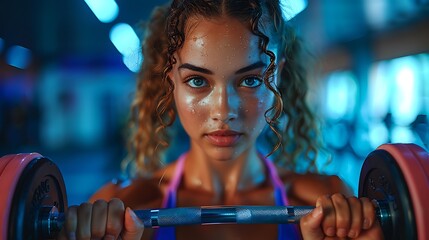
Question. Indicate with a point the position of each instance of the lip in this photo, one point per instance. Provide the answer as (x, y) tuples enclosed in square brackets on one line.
[(223, 138)]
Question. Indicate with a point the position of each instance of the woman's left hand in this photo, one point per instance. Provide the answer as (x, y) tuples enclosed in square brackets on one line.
[(340, 217)]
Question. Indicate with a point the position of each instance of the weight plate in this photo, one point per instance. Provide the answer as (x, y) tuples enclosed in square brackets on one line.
[(40, 185), (382, 179), (4, 196), (4, 161), (414, 164), (12, 167)]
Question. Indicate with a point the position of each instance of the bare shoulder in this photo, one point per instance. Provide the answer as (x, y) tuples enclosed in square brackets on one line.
[(306, 188), (137, 193)]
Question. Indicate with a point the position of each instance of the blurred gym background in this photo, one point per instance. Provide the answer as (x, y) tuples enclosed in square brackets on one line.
[(67, 76)]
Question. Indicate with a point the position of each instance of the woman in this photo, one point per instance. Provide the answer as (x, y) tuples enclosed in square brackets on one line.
[(230, 71)]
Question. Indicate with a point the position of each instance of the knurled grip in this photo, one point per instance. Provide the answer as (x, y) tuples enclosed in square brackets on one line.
[(216, 215)]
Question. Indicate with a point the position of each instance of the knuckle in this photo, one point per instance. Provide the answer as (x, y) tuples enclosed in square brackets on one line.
[(354, 204), (72, 209), (353, 200), (365, 200), (338, 198), (324, 200), (116, 202), (85, 205), (100, 202), (325, 197)]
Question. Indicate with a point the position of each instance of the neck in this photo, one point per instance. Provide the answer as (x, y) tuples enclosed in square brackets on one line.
[(224, 178)]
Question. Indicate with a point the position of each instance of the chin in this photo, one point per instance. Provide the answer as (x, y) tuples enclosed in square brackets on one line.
[(224, 154)]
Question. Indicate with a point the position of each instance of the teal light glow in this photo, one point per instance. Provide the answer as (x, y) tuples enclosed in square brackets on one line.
[(124, 38), (379, 89), (402, 134), (340, 95), (127, 42), (378, 134), (133, 61), (405, 98), (105, 10), (292, 8)]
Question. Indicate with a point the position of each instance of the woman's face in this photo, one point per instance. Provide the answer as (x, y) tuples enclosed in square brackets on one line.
[(219, 92)]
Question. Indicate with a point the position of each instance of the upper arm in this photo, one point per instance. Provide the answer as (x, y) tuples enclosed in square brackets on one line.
[(306, 188), (138, 193), (106, 192), (338, 186)]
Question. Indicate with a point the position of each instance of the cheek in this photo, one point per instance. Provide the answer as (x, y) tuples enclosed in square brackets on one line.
[(190, 109), (185, 104), (255, 109)]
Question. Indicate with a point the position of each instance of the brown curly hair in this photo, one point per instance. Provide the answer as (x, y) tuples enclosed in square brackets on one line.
[(292, 132)]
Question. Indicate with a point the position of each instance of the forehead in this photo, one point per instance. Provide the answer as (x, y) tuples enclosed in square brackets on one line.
[(222, 31), (200, 23), (219, 41)]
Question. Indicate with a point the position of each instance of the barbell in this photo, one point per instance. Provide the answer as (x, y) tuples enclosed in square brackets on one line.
[(396, 176)]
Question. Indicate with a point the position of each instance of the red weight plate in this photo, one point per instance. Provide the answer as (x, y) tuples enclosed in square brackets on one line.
[(4, 160), (11, 173), (40, 187), (414, 164)]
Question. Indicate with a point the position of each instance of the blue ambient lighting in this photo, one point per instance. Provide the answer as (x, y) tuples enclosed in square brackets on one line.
[(105, 10), (1, 44), (18, 57), (127, 42), (292, 8)]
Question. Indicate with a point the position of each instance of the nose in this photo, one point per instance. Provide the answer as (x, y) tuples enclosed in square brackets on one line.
[(225, 103)]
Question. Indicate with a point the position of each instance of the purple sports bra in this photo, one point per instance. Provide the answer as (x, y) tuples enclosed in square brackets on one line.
[(286, 231)]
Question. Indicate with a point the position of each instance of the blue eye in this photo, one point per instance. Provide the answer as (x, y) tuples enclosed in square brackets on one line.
[(251, 82), (196, 82)]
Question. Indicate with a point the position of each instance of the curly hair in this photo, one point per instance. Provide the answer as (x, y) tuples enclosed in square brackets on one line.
[(292, 130)]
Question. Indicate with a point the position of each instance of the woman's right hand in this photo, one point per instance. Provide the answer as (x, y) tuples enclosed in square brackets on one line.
[(101, 220)]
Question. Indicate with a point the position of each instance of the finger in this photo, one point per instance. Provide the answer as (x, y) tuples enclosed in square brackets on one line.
[(70, 223), (133, 226), (368, 213), (342, 214), (115, 218), (310, 224), (84, 212), (329, 222), (99, 219), (356, 217)]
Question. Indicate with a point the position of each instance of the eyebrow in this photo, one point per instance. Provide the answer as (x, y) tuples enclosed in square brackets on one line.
[(207, 71), (195, 68), (253, 66)]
